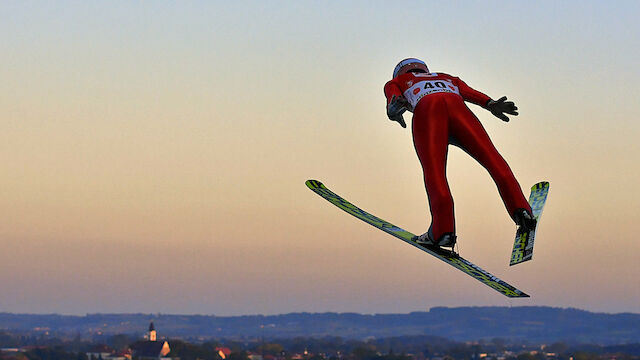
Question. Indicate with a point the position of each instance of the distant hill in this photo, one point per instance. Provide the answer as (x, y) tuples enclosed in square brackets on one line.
[(531, 323)]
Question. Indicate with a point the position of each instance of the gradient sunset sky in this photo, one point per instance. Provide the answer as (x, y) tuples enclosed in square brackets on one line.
[(153, 154)]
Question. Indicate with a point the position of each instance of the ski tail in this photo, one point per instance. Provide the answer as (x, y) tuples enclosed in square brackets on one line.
[(523, 244)]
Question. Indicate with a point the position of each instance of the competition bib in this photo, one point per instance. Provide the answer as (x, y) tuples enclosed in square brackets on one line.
[(427, 87)]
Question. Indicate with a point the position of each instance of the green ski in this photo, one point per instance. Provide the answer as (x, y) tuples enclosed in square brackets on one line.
[(523, 245), (448, 257)]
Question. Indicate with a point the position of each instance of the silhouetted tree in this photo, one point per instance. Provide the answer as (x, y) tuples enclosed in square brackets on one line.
[(557, 347), (269, 349), (48, 353), (238, 355), (119, 341), (187, 351), (364, 353), (581, 355)]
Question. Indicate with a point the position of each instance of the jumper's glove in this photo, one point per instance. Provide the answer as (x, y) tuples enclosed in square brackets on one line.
[(395, 108), (500, 106)]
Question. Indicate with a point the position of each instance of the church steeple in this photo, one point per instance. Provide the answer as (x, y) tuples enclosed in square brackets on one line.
[(152, 332)]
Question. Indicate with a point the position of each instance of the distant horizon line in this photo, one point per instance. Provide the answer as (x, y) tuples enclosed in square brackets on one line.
[(313, 312)]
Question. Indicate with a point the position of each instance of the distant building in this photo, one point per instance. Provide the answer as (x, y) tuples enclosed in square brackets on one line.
[(99, 352), (126, 354), (152, 332), (223, 352), (151, 349), (103, 352)]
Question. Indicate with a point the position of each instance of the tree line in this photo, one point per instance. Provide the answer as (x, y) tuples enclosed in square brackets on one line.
[(325, 348)]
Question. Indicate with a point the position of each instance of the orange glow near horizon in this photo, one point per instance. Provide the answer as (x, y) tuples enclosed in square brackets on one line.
[(159, 152)]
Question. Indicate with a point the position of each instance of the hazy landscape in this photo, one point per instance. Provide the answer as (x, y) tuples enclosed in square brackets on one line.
[(534, 324)]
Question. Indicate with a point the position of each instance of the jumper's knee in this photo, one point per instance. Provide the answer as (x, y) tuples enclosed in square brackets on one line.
[(441, 201)]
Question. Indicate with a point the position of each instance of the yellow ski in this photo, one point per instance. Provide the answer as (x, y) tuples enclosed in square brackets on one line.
[(448, 257), (523, 245)]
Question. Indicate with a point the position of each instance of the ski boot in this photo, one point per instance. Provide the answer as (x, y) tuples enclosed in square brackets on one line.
[(446, 240), (525, 220)]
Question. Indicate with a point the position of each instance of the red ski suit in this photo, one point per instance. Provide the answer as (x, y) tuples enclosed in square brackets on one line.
[(440, 118)]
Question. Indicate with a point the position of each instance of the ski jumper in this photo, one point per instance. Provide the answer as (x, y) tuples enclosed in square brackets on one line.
[(440, 118)]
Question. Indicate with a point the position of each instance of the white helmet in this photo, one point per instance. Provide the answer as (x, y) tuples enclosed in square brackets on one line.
[(407, 65)]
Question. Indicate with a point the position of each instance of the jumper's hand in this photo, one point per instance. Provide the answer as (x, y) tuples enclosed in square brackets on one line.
[(395, 108), (500, 106)]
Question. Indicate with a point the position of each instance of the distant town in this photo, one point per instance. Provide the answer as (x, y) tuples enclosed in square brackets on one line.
[(43, 345), (465, 334)]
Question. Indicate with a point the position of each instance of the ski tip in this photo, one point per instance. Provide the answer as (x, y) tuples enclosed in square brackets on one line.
[(540, 185), (314, 184)]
